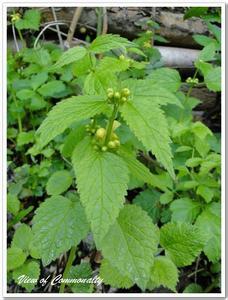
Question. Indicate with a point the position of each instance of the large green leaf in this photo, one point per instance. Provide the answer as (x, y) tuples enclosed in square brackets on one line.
[(72, 55), (106, 42), (210, 222), (102, 179), (51, 88), (149, 124), (182, 242), (22, 237), (164, 272), (67, 112), (167, 78), (59, 182), (58, 224), (31, 269), (213, 79), (113, 276), (131, 243), (185, 210)]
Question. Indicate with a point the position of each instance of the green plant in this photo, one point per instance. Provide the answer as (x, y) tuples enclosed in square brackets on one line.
[(119, 130)]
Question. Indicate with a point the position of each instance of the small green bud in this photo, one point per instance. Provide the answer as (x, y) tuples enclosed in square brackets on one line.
[(110, 90), (111, 145), (110, 95), (83, 30), (117, 143), (104, 149), (125, 92), (124, 99), (122, 57), (100, 134), (95, 147), (117, 95), (93, 130)]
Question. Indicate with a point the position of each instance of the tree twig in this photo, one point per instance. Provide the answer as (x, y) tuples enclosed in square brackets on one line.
[(105, 21), (73, 26), (57, 28)]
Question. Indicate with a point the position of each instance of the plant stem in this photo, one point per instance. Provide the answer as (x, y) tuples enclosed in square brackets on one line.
[(18, 116), (68, 265), (21, 38), (99, 21), (110, 124)]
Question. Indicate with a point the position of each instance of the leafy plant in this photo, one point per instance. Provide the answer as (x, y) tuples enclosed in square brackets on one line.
[(122, 128)]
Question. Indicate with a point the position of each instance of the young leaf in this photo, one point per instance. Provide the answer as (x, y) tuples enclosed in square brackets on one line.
[(82, 271), (30, 269), (22, 237), (59, 182), (113, 64), (210, 222), (72, 55), (185, 210), (182, 242), (67, 112), (51, 88), (113, 276), (150, 127), (30, 20), (15, 258), (58, 224), (102, 179), (164, 272), (193, 288), (107, 42), (208, 52), (213, 79), (13, 204), (140, 171), (195, 12), (136, 240)]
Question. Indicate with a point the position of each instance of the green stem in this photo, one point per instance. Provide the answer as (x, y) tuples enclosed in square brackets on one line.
[(21, 38), (68, 265), (99, 21), (18, 116), (110, 124)]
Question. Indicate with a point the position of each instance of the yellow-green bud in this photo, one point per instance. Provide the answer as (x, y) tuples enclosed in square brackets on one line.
[(104, 148), (110, 90), (125, 92), (83, 30), (124, 99), (110, 95), (117, 95), (121, 57), (112, 144), (100, 134), (117, 143)]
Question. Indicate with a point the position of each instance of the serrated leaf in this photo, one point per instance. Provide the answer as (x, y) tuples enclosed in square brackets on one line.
[(102, 179), (58, 224), (113, 64), (136, 240), (150, 127), (141, 172), (15, 258), (22, 237), (68, 111), (208, 52), (185, 210), (30, 269), (203, 40), (166, 77), (52, 88), (59, 182), (182, 242), (205, 192), (82, 271), (113, 276), (97, 82), (72, 55), (209, 221), (25, 138), (213, 79), (164, 272), (38, 79), (13, 204), (30, 20), (166, 197), (107, 42), (148, 200)]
